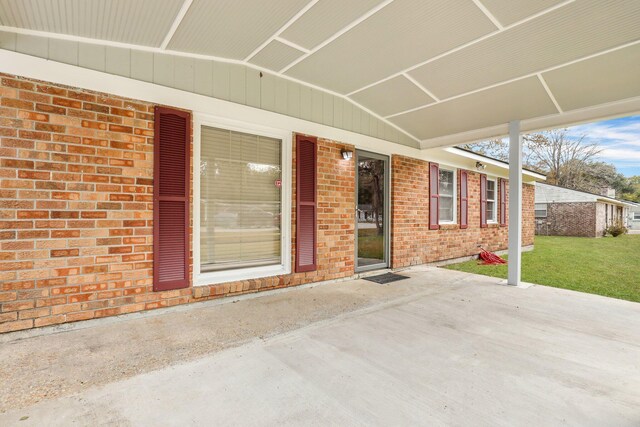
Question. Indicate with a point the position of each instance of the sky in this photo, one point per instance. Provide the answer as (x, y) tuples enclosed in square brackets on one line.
[(619, 139)]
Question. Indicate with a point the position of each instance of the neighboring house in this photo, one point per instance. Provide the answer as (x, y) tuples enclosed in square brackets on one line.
[(633, 219), (564, 212)]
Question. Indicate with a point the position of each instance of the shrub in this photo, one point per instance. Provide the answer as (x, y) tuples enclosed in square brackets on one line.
[(616, 229)]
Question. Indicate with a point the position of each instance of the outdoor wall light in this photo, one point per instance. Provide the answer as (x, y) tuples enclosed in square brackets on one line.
[(480, 166), (346, 154)]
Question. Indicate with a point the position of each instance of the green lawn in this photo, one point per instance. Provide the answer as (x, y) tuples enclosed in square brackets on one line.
[(606, 266)]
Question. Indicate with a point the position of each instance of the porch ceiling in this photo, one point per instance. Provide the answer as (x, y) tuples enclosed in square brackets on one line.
[(442, 71)]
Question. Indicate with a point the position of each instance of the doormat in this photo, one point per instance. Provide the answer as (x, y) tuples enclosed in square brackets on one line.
[(385, 278)]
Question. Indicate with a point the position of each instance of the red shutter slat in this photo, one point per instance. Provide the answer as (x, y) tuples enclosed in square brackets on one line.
[(434, 196), (171, 154), (306, 203), (464, 199), (483, 200), (503, 202)]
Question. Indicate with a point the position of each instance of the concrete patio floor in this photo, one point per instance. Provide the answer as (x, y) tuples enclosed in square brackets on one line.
[(440, 348)]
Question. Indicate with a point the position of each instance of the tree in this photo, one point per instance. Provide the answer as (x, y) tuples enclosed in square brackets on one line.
[(371, 178), (565, 159), (632, 192), (499, 149)]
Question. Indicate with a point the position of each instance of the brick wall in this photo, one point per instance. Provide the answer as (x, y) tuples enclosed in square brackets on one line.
[(579, 219), (76, 206), (412, 241)]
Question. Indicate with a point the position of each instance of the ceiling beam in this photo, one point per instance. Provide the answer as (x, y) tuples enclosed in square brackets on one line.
[(549, 93), (281, 30), (422, 88), (338, 34), (291, 44), (610, 110), (176, 23), (488, 14)]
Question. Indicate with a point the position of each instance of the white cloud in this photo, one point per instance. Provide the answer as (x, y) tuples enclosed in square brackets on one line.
[(621, 155)]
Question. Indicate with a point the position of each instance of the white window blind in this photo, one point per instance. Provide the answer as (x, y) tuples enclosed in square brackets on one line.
[(240, 200), (491, 200)]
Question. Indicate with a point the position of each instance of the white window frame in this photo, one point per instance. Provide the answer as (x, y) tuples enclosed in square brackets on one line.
[(546, 210), (455, 194), (286, 136), (495, 200), (635, 216)]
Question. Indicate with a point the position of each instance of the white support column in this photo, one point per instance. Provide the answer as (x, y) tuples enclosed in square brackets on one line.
[(515, 204)]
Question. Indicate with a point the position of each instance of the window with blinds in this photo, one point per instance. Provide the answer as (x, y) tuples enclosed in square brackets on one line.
[(240, 200), (447, 196), (491, 200)]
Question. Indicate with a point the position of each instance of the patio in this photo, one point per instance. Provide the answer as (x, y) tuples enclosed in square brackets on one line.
[(441, 347)]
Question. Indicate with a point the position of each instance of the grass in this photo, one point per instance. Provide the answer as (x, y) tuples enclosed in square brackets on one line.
[(370, 244), (607, 266)]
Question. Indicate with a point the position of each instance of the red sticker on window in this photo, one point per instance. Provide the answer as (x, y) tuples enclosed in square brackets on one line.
[(278, 183)]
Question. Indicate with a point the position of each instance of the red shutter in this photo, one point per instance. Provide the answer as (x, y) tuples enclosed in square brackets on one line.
[(503, 202), (434, 196), (464, 199), (483, 200), (306, 203), (171, 176)]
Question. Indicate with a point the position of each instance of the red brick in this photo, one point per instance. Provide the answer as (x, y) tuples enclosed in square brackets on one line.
[(121, 129), (27, 134), (16, 103), (18, 164), (33, 214), (23, 174), (64, 252), (16, 326), (70, 103), (65, 233), (30, 115), (50, 109), (46, 127)]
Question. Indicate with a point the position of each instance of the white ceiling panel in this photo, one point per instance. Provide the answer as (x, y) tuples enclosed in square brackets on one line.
[(392, 96), (398, 36), (141, 22), (232, 28), (598, 80), (509, 11), (581, 28), (275, 56), (324, 19), (518, 100)]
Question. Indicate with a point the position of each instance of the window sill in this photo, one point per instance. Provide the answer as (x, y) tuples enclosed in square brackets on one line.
[(217, 277)]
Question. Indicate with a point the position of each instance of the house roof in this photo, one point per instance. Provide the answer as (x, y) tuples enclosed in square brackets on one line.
[(549, 193), (442, 72)]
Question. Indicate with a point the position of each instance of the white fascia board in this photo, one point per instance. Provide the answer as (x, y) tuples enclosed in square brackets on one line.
[(614, 202), (611, 110)]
